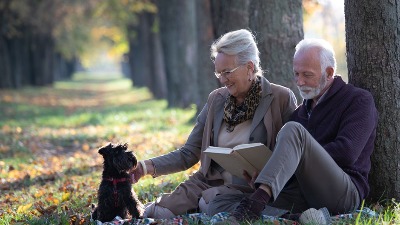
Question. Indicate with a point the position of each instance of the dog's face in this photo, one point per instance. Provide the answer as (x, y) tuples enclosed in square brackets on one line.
[(117, 157)]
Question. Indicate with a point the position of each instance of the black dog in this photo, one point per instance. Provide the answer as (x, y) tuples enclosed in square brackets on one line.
[(115, 197)]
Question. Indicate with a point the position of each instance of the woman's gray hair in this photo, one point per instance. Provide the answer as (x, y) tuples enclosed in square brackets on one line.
[(326, 52), (241, 43)]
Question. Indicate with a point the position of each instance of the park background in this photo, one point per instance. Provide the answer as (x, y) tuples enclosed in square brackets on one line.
[(78, 74)]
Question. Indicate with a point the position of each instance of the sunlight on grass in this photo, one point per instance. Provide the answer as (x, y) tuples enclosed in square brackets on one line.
[(49, 165)]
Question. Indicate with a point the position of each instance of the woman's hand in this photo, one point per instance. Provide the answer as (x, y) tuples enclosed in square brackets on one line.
[(137, 173), (142, 169), (251, 179)]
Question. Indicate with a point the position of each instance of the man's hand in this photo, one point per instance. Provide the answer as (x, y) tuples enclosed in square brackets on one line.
[(251, 179)]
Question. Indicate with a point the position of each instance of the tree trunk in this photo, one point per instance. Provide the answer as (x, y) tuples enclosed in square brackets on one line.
[(178, 38), (373, 60), (278, 27), (63, 68), (229, 15), (134, 57), (16, 48), (42, 53), (144, 54), (159, 86), (205, 78), (139, 52), (5, 64)]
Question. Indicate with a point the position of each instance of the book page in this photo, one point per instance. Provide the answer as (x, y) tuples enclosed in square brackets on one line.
[(256, 154), (250, 157), (219, 150)]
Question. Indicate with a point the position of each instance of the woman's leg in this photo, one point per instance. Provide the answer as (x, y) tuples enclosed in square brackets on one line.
[(183, 199)]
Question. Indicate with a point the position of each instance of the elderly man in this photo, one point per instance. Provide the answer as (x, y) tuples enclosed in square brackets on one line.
[(322, 156)]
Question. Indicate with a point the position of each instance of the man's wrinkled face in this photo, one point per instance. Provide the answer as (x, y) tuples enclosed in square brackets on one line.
[(308, 75)]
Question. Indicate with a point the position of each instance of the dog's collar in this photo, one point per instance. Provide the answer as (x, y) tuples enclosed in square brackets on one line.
[(118, 180), (115, 181)]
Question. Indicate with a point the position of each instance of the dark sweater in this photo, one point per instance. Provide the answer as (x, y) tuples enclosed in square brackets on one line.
[(344, 123)]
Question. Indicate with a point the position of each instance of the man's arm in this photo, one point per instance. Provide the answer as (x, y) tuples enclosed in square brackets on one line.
[(358, 123)]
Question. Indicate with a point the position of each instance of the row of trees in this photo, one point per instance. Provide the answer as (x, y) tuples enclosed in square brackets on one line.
[(33, 41), (174, 59), (169, 41)]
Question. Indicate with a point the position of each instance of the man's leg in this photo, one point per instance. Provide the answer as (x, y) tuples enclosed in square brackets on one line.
[(322, 182), (291, 198)]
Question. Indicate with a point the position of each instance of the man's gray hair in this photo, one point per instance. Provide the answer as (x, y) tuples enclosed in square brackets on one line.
[(326, 52), (241, 43)]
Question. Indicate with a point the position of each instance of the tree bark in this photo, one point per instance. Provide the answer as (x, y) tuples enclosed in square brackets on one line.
[(5, 64), (278, 27), (178, 38), (229, 15), (140, 51), (134, 59), (205, 78), (145, 49), (42, 55), (159, 84), (373, 60)]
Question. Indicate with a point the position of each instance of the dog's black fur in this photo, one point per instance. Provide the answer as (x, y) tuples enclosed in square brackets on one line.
[(115, 196)]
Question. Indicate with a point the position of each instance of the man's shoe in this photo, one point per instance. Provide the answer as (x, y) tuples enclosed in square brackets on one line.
[(248, 210), (315, 217)]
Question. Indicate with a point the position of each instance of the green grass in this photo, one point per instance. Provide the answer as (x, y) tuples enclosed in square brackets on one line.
[(49, 136)]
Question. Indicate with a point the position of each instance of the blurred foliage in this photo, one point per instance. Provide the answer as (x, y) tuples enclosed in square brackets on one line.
[(325, 19), (113, 22), (82, 29)]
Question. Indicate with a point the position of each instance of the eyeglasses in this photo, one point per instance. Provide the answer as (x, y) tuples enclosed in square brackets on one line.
[(225, 74)]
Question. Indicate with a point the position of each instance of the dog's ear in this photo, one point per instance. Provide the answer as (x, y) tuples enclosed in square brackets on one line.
[(103, 150)]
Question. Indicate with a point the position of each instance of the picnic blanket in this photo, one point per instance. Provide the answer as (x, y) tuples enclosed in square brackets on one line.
[(202, 218)]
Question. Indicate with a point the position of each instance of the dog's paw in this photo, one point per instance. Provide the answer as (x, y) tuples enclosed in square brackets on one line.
[(93, 214)]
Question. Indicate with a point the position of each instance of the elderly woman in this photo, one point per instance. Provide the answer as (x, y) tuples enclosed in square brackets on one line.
[(248, 109)]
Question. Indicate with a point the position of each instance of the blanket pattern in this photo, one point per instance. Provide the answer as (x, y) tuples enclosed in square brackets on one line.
[(202, 218)]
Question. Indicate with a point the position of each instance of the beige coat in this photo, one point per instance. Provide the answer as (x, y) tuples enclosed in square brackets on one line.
[(276, 105)]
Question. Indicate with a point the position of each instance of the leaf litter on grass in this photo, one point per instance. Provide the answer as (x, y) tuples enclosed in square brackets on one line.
[(49, 165)]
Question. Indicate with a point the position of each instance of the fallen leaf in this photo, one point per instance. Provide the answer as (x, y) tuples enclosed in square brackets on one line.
[(39, 194), (51, 199), (39, 206), (85, 147), (24, 208), (66, 196)]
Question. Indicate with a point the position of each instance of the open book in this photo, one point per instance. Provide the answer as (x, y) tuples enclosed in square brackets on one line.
[(250, 157)]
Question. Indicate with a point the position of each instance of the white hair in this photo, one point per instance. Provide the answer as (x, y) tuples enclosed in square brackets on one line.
[(241, 43), (326, 52)]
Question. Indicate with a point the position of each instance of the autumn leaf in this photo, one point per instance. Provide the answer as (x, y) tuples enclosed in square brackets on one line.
[(39, 194), (51, 199), (24, 208), (85, 147), (66, 196), (39, 206)]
